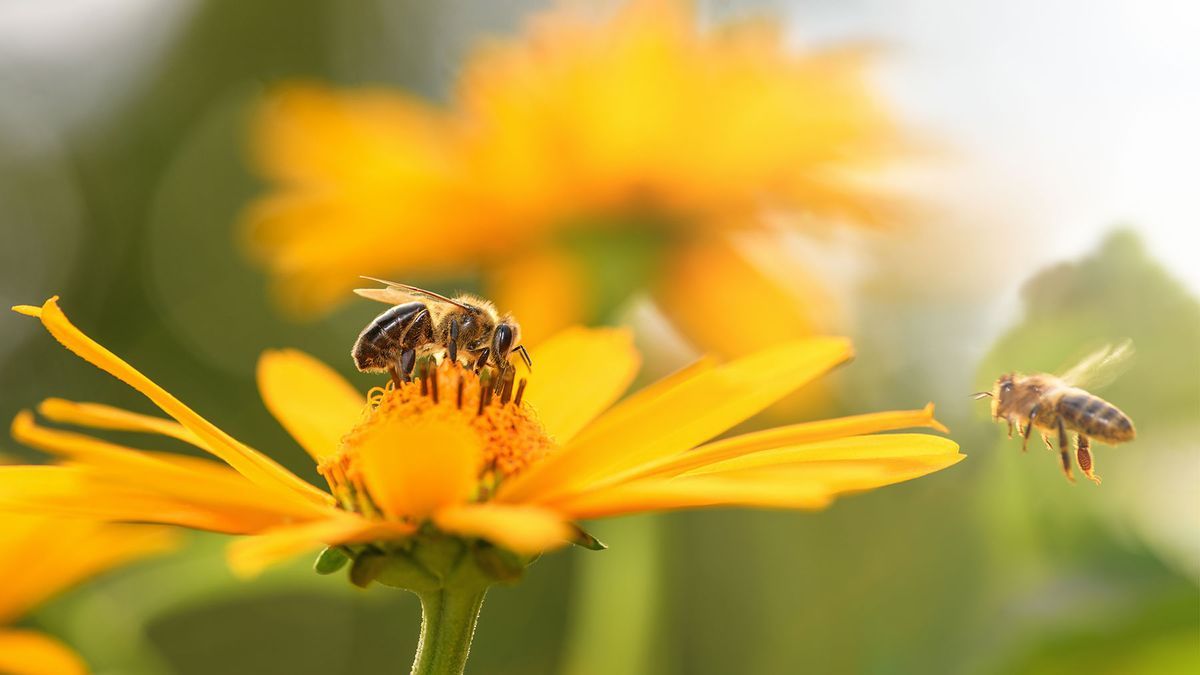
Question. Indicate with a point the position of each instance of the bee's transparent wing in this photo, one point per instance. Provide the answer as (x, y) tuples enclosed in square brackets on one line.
[(388, 296), (1101, 367), (397, 294)]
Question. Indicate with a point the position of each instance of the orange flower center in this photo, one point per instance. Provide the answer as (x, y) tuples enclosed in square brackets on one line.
[(493, 408)]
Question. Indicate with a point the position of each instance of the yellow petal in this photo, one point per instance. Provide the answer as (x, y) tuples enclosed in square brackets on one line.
[(878, 447), (24, 652), (254, 465), (792, 435), (523, 529), (413, 468), (678, 419), (577, 374), (315, 404), (249, 556)]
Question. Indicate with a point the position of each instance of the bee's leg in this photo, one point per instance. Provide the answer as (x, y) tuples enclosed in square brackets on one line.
[(1046, 440), (395, 377), (1029, 428), (501, 376), (1062, 451), (1083, 455), (482, 360), (452, 348), (408, 359), (1009, 420)]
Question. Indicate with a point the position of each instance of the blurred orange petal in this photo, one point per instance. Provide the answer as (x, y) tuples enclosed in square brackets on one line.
[(546, 289), (25, 652)]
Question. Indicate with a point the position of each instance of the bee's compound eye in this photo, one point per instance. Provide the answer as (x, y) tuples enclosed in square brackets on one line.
[(502, 342), (1006, 386)]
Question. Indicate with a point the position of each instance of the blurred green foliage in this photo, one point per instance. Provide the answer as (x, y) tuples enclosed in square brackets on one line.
[(995, 566)]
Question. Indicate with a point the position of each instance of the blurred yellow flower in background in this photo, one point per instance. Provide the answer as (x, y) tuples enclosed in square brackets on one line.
[(509, 467), (591, 157), (40, 557)]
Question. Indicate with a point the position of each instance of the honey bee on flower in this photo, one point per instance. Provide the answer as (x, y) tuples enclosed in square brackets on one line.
[(422, 322), (443, 486), (514, 469)]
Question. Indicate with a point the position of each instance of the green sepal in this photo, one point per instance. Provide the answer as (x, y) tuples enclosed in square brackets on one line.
[(332, 559), (499, 564), (581, 537), (400, 570), (366, 568)]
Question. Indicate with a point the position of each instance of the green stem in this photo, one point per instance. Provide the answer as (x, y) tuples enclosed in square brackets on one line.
[(448, 617)]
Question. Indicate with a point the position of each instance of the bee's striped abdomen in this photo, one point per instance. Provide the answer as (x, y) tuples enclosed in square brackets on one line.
[(401, 327), (1095, 417)]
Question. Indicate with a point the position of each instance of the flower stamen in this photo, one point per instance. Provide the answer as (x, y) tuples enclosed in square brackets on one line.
[(511, 436)]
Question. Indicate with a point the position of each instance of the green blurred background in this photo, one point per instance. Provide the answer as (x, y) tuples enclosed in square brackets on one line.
[(123, 169)]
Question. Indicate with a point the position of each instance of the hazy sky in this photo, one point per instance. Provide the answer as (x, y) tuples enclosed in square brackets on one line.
[(1088, 113)]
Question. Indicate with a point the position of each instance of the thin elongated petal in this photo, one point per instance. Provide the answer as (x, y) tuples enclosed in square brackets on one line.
[(183, 478), (414, 468), (523, 529), (82, 492), (841, 476), (25, 652), (800, 484), (578, 374), (315, 404), (678, 419), (254, 465), (787, 436), (881, 447), (686, 493), (251, 555), (101, 416)]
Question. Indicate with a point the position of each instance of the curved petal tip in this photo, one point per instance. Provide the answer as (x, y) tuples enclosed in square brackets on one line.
[(933, 423)]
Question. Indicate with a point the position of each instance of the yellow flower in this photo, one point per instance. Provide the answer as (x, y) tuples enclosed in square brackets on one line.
[(639, 120), (512, 466), (41, 556)]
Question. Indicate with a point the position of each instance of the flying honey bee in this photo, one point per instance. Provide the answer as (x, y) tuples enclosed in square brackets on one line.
[(422, 322), (1059, 404)]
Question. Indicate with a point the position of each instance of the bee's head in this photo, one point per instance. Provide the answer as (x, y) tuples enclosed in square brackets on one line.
[(505, 339), (1001, 393)]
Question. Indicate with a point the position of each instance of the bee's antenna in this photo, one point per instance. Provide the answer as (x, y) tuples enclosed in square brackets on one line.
[(525, 356), (981, 394)]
